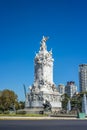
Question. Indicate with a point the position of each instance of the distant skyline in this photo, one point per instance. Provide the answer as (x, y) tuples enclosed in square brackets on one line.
[(22, 25)]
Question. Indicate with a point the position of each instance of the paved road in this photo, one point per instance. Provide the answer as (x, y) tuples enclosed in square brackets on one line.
[(43, 124)]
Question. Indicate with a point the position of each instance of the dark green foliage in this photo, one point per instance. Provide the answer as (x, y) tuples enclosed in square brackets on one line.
[(6, 112), (65, 99), (76, 101), (7, 98), (21, 105), (21, 112), (9, 102), (1, 112)]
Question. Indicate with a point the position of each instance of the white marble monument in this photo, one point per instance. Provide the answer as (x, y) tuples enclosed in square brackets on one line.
[(43, 87)]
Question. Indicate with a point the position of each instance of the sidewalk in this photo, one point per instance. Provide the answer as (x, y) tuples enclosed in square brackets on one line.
[(39, 118)]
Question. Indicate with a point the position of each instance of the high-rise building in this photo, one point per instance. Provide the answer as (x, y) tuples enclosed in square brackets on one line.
[(71, 89), (61, 89), (83, 77)]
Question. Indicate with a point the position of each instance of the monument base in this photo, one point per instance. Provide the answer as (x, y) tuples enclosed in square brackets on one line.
[(39, 110), (33, 110)]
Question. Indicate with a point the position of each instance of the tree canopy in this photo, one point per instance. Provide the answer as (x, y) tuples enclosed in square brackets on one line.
[(7, 99)]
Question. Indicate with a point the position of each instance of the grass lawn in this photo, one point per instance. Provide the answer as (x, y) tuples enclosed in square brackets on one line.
[(24, 115)]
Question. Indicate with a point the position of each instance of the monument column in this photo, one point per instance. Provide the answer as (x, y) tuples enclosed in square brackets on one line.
[(43, 64)]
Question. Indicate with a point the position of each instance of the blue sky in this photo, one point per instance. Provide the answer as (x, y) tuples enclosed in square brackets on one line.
[(22, 25)]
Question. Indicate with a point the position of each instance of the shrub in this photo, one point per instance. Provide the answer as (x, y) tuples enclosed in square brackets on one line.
[(1, 112), (21, 112), (6, 112)]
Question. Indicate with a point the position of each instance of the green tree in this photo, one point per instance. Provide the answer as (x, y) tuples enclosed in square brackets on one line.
[(7, 98), (76, 101), (65, 99), (21, 105)]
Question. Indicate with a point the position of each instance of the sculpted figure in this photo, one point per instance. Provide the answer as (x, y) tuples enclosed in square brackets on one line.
[(47, 106), (44, 39), (43, 43)]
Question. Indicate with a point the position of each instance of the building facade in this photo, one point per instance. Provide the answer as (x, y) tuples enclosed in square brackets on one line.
[(61, 89), (83, 77), (71, 89), (43, 87)]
